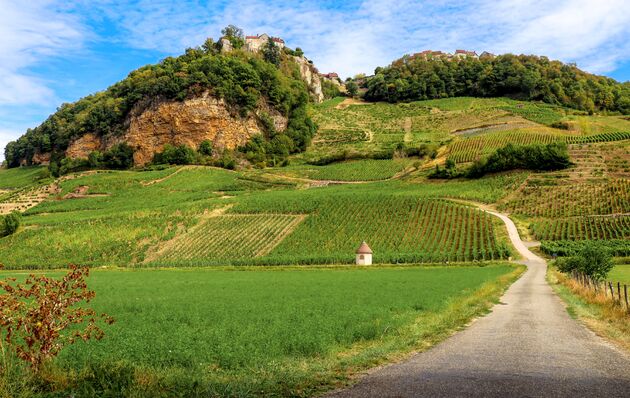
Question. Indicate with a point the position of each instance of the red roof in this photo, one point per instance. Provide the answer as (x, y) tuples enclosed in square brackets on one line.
[(251, 37), (364, 249), (277, 40)]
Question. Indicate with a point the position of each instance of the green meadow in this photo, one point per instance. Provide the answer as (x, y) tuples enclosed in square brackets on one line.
[(265, 331)]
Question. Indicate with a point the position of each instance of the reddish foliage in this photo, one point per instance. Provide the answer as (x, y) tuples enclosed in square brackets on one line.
[(35, 316)]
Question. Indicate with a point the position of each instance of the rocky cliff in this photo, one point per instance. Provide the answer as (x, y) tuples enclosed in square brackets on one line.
[(311, 77), (188, 122)]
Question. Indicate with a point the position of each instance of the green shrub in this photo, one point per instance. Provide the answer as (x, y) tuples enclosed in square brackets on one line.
[(10, 224), (120, 156), (205, 148), (180, 154), (554, 156), (449, 171)]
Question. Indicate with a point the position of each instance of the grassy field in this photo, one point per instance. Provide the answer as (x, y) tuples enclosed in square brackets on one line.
[(621, 273), (282, 331), (18, 178)]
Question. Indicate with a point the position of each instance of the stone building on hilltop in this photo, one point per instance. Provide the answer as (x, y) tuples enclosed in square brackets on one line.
[(256, 43)]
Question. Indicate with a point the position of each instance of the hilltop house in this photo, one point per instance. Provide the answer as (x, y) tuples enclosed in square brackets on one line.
[(255, 43), (459, 54), (364, 254), (465, 54)]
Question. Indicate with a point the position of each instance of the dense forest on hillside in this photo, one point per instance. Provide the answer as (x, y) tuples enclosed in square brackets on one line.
[(525, 77), (238, 77)]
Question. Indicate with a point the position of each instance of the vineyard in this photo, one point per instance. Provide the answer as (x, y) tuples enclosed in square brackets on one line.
[(571, 247), (472, 148), (222, 239), (581, 228), (355, 170), (584, 199), (399, 229)]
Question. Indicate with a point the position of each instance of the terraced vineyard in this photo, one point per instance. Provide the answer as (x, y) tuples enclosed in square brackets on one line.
[(472, 148), (584, 199), (231, 237), (355, 170), (399, 229), (581, 228)]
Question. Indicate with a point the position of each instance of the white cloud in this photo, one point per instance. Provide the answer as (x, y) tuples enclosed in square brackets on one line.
[(30, 33), (593, 33)]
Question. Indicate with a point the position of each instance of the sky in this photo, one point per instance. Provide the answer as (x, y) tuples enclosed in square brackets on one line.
[(53, 52)]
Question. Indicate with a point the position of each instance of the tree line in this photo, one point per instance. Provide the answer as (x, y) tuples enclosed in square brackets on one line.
[(525, 77)]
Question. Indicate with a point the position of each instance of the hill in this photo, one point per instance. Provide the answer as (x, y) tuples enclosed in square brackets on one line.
[(221, 93), (526, 77)]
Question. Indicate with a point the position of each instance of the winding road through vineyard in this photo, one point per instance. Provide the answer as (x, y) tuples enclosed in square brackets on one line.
[(528, 346)]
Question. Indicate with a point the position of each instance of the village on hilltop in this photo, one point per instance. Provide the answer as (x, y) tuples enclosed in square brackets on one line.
[(459, 54)]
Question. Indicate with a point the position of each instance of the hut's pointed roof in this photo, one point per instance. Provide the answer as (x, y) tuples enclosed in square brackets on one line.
[(364, 249)]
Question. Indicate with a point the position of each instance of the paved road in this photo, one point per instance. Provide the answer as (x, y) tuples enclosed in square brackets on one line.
[(527, 347)]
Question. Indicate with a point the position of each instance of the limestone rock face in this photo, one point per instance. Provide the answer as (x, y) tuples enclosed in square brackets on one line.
[(191, 122), (311, 77), (188, 122), (82, 146), (41, 158)]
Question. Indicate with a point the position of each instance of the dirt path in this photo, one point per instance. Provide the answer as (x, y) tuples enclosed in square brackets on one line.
[(528, 346), (407, 128), (159, 180)]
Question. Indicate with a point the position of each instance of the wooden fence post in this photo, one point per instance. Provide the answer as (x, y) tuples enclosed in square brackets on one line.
[(619, 291), (625, 293), (612, 292)]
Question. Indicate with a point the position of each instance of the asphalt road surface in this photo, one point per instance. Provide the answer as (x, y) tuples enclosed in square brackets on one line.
[(528, 346)]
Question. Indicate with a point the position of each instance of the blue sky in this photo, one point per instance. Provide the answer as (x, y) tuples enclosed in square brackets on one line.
[(58, 51)]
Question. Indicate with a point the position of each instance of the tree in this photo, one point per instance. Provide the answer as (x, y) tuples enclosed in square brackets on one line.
[(232, 31), (271, 53), (180, 154), (592, 260), (352, 88), (235, 35), (209, 46), (119, 156)]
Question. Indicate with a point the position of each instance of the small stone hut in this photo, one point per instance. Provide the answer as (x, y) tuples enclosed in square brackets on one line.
[(364, 254)]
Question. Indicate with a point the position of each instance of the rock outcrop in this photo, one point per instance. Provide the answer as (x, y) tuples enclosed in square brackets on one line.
[(311, 76), (84, 145), (188, 122)]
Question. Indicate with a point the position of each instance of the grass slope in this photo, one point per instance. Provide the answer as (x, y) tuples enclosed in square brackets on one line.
[(18, 177)]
